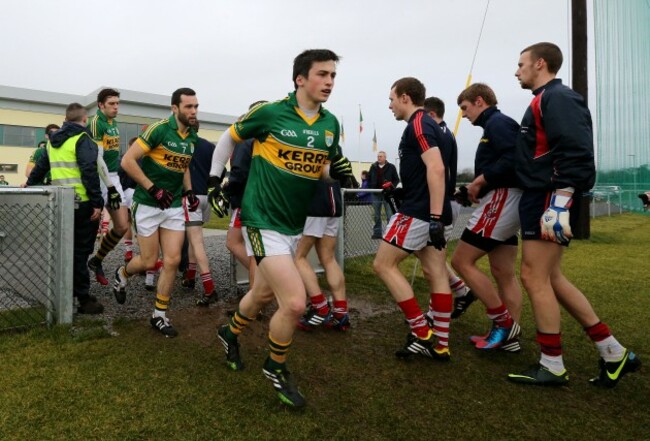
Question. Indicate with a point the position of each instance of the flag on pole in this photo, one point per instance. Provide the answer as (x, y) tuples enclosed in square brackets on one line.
[(374, 141), (342, 133), (360, 120)]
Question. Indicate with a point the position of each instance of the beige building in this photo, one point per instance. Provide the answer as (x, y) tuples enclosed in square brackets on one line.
[(24, 113)]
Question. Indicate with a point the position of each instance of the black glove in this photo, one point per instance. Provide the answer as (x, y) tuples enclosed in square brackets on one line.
[(462, 197), (437, 232), (350, 182), (233, 188), (340, 168), (163, 197), (216, 197), (114, 198), (191, 199)]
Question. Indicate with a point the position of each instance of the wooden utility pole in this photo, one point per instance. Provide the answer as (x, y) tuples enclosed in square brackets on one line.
[(580, 85)]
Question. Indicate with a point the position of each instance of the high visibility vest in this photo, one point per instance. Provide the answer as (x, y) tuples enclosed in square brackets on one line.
[(64, 168)]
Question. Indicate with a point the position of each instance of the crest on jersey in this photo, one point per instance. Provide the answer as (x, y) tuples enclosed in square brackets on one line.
[(329, 138)]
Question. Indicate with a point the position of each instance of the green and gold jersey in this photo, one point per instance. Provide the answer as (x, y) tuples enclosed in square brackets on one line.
[(289, 152), (33, 159), (167, 155), (107, 136)]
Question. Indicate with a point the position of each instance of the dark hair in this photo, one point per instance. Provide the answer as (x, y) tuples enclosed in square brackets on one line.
[(476, 90), (176, 96), (435, 104), (303, 62), (257, 103), (104, 94), (412, 87), (75, 112), (51, 127), (549, 52)]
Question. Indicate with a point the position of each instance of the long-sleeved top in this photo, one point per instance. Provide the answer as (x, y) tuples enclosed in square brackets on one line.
[(495, 155), (555, 144), (86, 155)]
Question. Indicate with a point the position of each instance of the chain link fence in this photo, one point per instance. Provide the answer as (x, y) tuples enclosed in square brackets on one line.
[(36, 243), (356, 232)]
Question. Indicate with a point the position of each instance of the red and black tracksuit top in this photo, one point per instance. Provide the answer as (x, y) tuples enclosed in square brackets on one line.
[(555, 142)]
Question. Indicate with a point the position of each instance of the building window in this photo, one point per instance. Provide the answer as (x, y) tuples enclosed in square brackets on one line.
[(128, 131), (18, 136)]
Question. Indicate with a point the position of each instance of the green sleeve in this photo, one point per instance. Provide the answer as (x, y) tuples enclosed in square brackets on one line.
[(256, 123)]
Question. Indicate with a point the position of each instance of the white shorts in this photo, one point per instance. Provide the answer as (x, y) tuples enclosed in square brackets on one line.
[(201, 215), (115, 179), (128, 197), (235, 218), (497, 215), (455, 211), (146, 219), (321, 226), (262, 243), (407, 233)]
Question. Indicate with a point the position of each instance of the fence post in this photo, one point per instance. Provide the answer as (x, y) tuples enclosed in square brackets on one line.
[(64, 216), (340, 239)]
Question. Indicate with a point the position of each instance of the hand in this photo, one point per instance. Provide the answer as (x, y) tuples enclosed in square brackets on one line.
[(555, 220), (340, 168), (216, 197), (462, 197), (97, 213), (392, 195), (437, 232), (163, 197), (191, 200), (473, 191), (114, 198)]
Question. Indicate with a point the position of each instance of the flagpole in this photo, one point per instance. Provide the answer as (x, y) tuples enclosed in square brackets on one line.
[(360, 130)]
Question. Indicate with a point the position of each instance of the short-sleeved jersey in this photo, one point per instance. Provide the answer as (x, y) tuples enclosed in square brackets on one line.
[(289, 152), (107, 136), (167, 154), (421, 134)]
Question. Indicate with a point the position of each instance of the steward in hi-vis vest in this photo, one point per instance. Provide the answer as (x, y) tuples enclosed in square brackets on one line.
[(71, 157)]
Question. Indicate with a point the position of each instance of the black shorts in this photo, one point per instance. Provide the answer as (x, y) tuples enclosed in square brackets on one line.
[(486, 244), (532, 206)]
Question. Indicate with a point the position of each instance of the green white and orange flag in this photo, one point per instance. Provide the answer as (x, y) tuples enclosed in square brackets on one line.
[(360, 120), (374, 141)]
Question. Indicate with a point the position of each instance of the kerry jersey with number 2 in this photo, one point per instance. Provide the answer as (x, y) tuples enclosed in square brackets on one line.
[(289, 152)]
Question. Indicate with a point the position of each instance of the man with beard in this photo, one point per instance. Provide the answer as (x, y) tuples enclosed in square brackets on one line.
[(166, 149)]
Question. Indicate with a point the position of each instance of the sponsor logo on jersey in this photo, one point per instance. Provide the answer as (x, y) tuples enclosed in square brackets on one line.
[(484, 141), (111, 142), (301, 161), (171, 160)]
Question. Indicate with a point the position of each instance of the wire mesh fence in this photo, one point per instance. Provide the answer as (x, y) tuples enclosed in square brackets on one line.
[(357, 236), (36, 240)]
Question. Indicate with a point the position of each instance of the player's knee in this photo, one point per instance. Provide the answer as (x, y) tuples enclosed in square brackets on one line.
[(501, 270), (296, 306), (457, 263), (172, 261), (379, 266)]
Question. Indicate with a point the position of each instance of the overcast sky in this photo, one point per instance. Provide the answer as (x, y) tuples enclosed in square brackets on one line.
[(234, 52)]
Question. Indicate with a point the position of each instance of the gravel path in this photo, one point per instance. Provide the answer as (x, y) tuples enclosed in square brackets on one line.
[(139, 302)]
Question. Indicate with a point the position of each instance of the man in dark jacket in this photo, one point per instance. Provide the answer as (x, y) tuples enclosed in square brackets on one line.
[(381, 172), (492, 229), (555, 164), (71, 157)]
